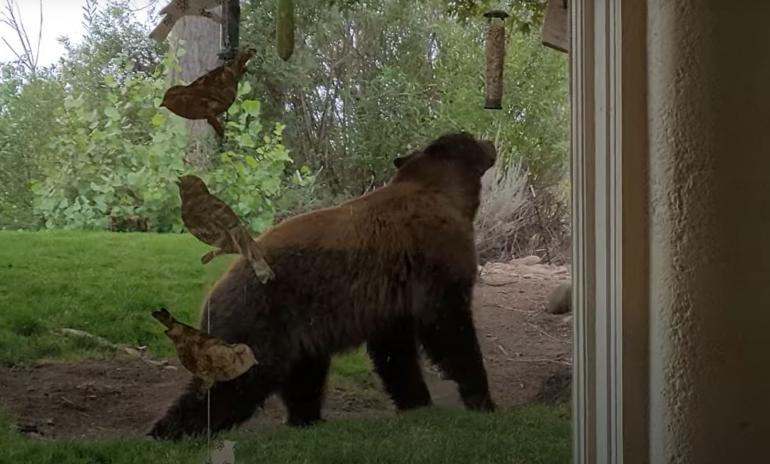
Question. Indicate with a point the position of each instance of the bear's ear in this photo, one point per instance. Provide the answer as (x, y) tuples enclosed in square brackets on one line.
[(402, 160)]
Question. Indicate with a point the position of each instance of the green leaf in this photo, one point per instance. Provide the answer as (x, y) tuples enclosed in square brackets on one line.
[(271, 185), (72, 103), (246, 140), (251, 107), (250, 161), (243, 208), (111, 113), (244, 88), (255, 127), (158, 120)]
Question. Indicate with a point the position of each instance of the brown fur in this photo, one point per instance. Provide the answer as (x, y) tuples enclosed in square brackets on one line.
[(389, 268)]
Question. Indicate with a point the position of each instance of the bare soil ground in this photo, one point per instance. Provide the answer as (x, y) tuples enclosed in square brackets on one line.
[(524, 348)]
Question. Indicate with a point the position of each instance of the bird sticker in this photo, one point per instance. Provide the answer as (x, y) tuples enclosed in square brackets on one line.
[(175, 10), (208, 358), (211, 94), (213, 222)]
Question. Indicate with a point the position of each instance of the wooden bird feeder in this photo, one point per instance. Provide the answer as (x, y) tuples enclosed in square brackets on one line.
[(495, 56), (231, 29), (556, 25)]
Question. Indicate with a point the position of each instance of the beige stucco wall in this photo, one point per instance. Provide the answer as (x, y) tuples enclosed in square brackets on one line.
[(709, 119)]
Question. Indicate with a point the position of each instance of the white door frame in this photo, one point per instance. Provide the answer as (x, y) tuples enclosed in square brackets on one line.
[(608, 86)]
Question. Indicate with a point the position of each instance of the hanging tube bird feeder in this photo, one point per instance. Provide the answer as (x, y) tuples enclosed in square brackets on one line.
[(495, 56), (231, 29), (284, 29)]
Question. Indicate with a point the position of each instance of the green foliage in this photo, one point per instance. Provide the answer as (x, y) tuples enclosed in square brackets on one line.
[(111, 30), (367, 82), (27, 108), (370, 80), (532, 435), (119, 156), (533, 123), (249, 174), (116, 158), (525, 14), (107, 156)]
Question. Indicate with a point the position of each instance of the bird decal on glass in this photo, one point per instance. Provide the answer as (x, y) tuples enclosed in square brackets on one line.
[(209, 359), (211, 94), (175, 10), (213, 222)]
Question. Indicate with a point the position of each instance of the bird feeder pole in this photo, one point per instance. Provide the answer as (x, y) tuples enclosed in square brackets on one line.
[(231, 26), (495, 56)]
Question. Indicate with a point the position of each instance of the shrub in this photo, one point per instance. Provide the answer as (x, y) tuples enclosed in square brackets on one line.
[(503, 211), (118, 158)]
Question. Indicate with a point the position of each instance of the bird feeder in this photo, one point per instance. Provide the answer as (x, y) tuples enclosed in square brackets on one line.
[(284, 29), (556, 25), (495, 56), (231, 29)]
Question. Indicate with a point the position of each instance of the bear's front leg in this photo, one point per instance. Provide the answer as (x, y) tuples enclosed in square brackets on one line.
[(449, 337), (232, 403), (303, 389)]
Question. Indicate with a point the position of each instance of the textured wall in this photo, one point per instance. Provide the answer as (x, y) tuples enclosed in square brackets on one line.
[(709, 115)]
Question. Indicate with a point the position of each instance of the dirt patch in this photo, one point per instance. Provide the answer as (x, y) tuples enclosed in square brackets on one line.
[(523, 347)]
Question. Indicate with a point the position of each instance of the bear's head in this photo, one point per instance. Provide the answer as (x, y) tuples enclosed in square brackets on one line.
[(453, 164), (458, 148)]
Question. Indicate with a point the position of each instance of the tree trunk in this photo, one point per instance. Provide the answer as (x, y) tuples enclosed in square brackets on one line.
[(201, 42)]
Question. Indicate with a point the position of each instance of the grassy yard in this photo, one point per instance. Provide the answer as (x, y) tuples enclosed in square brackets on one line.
[(104, 283), (534, 435), (107, 284)]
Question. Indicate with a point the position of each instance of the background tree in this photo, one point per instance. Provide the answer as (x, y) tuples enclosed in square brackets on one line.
[(198, 40), (367, 81)]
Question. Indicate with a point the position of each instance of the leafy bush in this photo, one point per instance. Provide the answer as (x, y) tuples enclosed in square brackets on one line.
[(118, 158), (27, 108), (249, 174), (83, 144)]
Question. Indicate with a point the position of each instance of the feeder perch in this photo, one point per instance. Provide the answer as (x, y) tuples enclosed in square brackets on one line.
[(495, 56)]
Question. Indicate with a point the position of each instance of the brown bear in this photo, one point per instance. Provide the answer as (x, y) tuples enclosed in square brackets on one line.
[(394, 269)]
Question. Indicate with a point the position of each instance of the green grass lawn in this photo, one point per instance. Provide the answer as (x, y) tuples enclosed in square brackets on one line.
[(534, 435), (107, 284), (104, 283)]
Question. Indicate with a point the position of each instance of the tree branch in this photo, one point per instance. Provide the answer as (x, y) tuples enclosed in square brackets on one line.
[(11, 17)]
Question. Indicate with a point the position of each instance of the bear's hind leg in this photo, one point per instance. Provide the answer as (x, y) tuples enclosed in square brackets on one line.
[(449, 337), (303, 390), (395, 357)]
